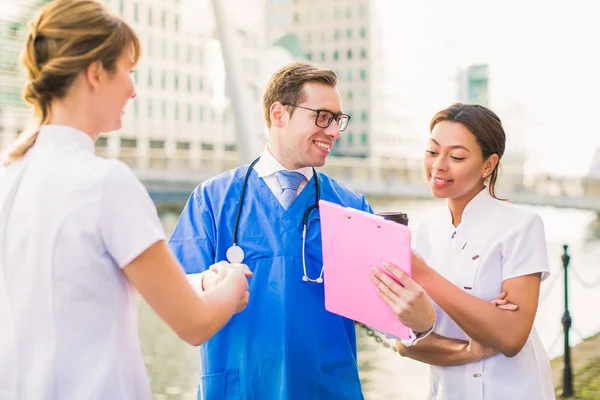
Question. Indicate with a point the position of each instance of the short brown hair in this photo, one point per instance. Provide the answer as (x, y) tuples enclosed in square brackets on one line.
[(64, 39), (485, 125), (287, 84)]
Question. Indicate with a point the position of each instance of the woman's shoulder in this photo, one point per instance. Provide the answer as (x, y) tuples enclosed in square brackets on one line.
[(511, 212)]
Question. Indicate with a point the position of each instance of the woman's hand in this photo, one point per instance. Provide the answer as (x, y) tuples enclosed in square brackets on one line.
[(503, 304), (407, 299), (478, 352)]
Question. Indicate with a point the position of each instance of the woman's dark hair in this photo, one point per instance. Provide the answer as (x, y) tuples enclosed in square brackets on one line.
[(485, 125)]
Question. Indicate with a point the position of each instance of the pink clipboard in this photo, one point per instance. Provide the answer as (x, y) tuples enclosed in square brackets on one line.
[(353, 241)]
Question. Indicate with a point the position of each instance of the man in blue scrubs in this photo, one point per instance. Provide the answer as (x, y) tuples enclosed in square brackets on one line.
[(285, 345)]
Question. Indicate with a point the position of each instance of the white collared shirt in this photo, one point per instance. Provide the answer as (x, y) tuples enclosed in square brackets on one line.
[(266, 168), (495, 241), (69, 316)]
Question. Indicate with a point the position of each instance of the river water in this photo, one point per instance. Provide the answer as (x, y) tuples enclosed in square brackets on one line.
[(174, 366)]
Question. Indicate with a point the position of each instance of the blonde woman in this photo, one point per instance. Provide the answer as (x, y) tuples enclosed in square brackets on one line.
[(79, 235)]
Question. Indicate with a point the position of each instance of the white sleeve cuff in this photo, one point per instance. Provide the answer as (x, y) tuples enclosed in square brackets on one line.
[(415, 338), (196, 281)]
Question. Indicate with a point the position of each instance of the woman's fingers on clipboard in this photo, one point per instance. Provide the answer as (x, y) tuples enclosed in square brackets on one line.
[(409, 302)]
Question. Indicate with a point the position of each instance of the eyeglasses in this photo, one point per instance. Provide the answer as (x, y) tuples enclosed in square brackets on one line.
[(325, 117)]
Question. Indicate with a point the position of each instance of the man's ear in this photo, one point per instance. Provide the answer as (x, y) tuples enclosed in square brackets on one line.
[(93, 74), (277, 114)]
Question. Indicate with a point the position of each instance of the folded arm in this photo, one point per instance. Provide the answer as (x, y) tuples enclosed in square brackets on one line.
[(502, 330), (437, 350)]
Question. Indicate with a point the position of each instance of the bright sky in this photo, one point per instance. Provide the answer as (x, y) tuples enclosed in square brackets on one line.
[(544, 68)]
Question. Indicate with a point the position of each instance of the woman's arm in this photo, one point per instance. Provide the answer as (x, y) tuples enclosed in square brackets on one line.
[(504, 331), (437, 350), (195, 317)]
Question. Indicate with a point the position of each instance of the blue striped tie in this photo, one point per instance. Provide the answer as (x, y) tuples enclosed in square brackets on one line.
[(288, 181)]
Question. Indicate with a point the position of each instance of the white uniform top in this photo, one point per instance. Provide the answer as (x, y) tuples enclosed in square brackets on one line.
[(495, 241), (69, 221)]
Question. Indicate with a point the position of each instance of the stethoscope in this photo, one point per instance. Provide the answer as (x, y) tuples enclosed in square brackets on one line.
[(235, 254)]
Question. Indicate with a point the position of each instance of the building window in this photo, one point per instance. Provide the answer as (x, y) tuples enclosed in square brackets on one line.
[(350, 138), (150, 41), (149, 16), (364, 138), (200, 84), (348, 13), (189, 83), (201, 114), (149, 78), (296, 18), (336, 34), (176, 111), (176, 52), (135, 11), (349, 54), (176, 81), (189, 54), (163, 78), (350, 96), (336, 13), (349, 75), (102, 141), (183, 145), (309, 56), (121, 6), (206, 146), (308, 38), (189, 112), (364, 116), (157, 144), (363, 53), (363, 74), (128, 143), (322, 56), (349, 33), (230, 147), (361, 11), (363, 32), (176, 23), (336, 55), (163, 19)]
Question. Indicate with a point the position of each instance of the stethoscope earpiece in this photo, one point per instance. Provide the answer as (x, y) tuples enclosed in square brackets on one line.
[(305, 278)]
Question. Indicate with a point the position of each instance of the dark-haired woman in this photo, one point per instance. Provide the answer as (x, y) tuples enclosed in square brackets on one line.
[(479, 248)]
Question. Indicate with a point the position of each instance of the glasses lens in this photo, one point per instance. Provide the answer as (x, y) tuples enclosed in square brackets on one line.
[(324, 119), (343, 122)]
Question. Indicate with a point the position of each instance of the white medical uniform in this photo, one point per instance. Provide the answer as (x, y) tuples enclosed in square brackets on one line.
[(69, 221), (495, 241)]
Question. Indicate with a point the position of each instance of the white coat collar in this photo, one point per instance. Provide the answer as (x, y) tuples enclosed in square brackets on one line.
[(64, 136)]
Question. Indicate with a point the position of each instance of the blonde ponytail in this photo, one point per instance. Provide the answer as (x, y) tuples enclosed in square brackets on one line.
[(64, 39)]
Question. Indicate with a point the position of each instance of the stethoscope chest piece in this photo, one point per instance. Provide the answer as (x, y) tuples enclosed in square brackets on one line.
[(235, 254)]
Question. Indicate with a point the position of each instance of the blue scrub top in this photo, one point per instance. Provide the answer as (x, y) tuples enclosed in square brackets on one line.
[(284, 345)]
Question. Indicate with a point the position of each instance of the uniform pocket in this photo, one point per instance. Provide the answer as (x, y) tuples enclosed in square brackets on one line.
[(330, 387), (221, 386)]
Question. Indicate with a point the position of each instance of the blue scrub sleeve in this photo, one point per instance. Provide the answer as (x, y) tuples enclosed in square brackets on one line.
[(191, 241), (366, 207)]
